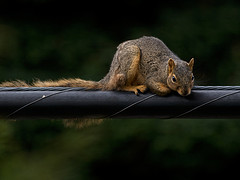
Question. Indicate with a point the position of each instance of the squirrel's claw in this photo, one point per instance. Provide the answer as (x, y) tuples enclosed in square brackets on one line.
[(135, 89), (142, 88)]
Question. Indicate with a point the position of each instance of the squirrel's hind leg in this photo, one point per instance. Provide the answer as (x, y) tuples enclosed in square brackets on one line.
[(133, 69), (129, 57)]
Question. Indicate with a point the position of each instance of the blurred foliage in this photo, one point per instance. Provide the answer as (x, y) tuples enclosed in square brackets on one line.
[(38, 40), (116, 149), (50, 39)]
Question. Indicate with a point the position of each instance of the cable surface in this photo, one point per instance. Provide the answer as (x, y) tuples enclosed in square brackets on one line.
[(81, 88)]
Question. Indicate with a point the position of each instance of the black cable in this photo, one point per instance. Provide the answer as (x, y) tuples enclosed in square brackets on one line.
[(204, 104), (129, 106), (191, 110), (66, 89), (216, 88), (40, 88), (80, 88), (39, 99)]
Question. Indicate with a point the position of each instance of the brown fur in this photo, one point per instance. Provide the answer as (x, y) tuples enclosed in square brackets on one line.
[(137, 65)]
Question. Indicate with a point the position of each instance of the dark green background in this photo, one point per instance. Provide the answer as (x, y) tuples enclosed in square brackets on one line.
[(50, 39)]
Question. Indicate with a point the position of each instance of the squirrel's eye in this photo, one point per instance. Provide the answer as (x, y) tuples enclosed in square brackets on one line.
[(174, 79), (192, 77)]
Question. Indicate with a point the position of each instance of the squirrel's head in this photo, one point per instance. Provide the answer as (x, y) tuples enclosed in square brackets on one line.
[(180, 76)]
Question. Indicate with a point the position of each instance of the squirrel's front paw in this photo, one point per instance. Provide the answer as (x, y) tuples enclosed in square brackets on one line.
[(135, 89), (141, 88)]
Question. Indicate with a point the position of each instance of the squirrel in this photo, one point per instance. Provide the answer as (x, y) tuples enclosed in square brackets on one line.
[(138, 65)]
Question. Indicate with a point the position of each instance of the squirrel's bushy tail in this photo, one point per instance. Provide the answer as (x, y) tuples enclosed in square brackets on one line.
[(69, 83), (59, 83)]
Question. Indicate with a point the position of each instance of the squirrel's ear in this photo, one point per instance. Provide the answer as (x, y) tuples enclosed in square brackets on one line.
[(171, 65), (191, 63)]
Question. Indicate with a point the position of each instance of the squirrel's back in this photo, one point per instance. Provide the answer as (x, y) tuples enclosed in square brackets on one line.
[(152, 46)]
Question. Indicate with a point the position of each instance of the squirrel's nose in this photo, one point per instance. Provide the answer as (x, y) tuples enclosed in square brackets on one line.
[(184, 92), (187, 93)]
